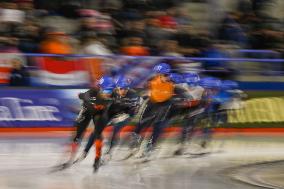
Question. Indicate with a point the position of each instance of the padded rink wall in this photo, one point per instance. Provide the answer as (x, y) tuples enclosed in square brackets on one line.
[(259, 110), (57, 108)]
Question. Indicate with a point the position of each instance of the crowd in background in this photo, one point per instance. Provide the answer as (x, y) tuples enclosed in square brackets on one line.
[(154, 27), (134, 27)]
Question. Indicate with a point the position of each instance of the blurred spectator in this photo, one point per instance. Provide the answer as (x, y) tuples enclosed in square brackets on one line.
[(169, 47), (219, 67), (93, 46), (86, 24), (187, 41), (134, 46), (95, 20), (129, 22), (231, 30), (245, 6), (10, 13), (168, 20), (10, 18), (214, 51), (60, 23), (182, 17), (18, 76), (8, 39), (109, 5), (136, 4), (28, 37), (109, 41), (259, 6), (265, 36), (164, 4), (8, 44), (138, 26), (62, 15), (56, 43), (154, 32), (103, 24), (27, 6), (69, 9)]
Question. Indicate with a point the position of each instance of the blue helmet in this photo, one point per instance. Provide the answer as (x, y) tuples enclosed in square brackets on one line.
[(162, 68), (191, 78), (228, 85), (176, 78), (123, 82), (106, 83), (210, 83)]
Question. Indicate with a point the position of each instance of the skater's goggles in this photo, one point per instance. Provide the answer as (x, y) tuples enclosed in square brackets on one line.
[(123, 88), (107, 91)]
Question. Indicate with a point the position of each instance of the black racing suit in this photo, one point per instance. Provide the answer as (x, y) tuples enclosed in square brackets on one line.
[(120, 105), (94, 107), (158, 115), (193, 114), (85, 115)]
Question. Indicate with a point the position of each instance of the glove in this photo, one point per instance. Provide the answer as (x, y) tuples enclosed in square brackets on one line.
[(193, 103), (98, 107), (81, 96)]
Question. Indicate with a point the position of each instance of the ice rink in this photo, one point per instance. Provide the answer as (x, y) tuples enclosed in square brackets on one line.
[(236, 162)]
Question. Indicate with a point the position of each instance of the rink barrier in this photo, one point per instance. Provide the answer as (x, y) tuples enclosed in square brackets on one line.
[(26, 108), (259, 110)]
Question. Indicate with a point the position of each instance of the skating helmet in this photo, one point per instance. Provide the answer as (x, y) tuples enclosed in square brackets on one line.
[(191, 78), (229, 85), (106, 83), (162, 68), (210, 83), (123, 82), (176, 78)]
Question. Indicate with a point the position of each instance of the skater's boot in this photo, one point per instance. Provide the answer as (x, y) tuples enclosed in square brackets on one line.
[(204, 144), (135, 140), (180, 150), (97, 164), (98, 144), (81, 157)]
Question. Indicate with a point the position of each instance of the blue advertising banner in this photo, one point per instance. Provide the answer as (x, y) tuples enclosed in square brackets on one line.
[(38, 107)]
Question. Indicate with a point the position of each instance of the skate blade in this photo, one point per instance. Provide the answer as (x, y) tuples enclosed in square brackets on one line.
[(60, 167), (126, 156), (78, 160), (197, 155)]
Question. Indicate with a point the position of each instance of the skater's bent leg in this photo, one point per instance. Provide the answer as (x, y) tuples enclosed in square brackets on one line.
[(100, 125), (116, 130), (90, 143), (81, 124), (98, 144), (157, 131)]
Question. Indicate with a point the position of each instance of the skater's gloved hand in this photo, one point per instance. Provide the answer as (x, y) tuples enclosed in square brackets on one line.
[(180, 102), (193, 103), (81, 96), (98, 107), (145, 97)]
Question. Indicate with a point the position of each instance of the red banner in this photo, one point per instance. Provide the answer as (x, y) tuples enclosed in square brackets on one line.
[(62, 71)]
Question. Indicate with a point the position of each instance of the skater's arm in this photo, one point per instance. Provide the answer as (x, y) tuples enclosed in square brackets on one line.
[(89, 98), (86, 96), (90, 143)]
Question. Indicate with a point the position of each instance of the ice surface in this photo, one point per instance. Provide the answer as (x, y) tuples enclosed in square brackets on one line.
[(26, 164)]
